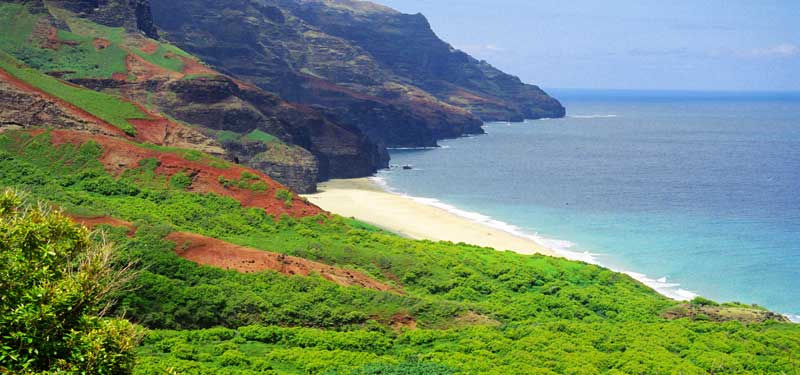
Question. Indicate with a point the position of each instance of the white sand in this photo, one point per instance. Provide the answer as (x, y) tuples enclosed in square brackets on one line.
[(366, 201)]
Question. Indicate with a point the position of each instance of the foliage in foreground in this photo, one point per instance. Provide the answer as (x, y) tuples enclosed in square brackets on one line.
[(53, 282), (566, 347)]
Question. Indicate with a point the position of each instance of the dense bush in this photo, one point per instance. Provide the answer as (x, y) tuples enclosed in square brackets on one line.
[(53, 282)]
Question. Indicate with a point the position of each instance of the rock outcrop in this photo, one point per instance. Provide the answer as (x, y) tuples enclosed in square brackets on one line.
[(133, 15), (24, 109), (369, 66), (303, 90), (407, 46), (219, 103)]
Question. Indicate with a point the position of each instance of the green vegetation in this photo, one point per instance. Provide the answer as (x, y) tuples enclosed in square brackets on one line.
[(197, 76), (166, 56), (89, 51), (477, 310), (53, 283), (261, 136), (700, 301), (191, 155), (455, 309), (180, 181), (247, 181), (285, 196), (254, 136), (107, 107), (227, 136), (74, 55)]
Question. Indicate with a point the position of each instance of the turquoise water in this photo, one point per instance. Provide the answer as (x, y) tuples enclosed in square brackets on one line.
[(691, 193)]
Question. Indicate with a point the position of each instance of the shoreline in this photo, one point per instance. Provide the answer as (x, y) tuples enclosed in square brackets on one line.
[(410, 218), (430, 219)]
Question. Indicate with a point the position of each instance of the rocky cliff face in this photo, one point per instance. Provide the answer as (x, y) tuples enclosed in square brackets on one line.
[(218, 103), (296, 144), (407, 46), (22, 109), (369, 66), (133, 15), (265, 43), (358, 77), (304, 145)]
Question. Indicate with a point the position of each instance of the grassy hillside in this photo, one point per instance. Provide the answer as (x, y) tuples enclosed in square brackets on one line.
[(107, 107), (459, 308), (90, 50)]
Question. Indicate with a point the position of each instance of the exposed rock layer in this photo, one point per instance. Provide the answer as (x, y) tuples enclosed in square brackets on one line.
[(370, 67)]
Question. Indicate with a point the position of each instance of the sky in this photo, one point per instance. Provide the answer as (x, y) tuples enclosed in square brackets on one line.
[(730, 45)]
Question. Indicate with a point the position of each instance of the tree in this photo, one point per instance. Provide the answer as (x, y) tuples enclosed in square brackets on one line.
[(54, 283)]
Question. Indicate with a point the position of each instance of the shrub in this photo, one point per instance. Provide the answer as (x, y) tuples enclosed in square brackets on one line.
[(233, 358), (180, 181), (49, 318), (285, 196), (700, 301)]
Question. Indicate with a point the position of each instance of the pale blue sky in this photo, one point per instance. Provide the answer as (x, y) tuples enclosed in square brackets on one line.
[(643, 44)]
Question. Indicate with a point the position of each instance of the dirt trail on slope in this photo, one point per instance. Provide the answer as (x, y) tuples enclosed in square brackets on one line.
[(213, 252)]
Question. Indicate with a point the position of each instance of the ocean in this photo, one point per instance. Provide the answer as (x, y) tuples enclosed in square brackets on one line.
[(691, 193)]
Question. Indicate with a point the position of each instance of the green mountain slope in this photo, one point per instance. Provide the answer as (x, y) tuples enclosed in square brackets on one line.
[(62, 40)]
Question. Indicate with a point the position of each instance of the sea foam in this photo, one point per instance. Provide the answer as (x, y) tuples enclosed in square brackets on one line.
[(563, 248)]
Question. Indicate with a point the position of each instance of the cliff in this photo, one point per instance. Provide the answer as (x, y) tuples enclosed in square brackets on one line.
[(133, 15), (407, 46), (366, 65), (103, 47), (303, 90)]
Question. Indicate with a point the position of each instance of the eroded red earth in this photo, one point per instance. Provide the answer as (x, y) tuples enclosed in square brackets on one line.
[(91, 222), (120, 155), (213, 252)]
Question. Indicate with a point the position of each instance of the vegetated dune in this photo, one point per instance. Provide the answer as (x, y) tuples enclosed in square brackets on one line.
[(213, 252)]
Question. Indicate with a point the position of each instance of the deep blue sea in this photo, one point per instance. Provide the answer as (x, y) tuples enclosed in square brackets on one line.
[(693, 193)]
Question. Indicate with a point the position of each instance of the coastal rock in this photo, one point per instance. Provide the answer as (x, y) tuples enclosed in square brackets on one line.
[(408, 47), (382, 80), (723, 313), (133, 15), (218, 103), (21, 108)]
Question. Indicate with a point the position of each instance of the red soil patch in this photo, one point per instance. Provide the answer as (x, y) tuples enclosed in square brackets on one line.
[(76, 111), (213, 252), (144, 70), (91, 222), (149, 47), (120, 155), (402, 321), (192, 66), (48, 36), (119, 76), (100, 43), (155, 130)]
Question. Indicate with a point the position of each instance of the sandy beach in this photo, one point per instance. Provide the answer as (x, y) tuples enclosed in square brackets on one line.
[(363, 199)]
